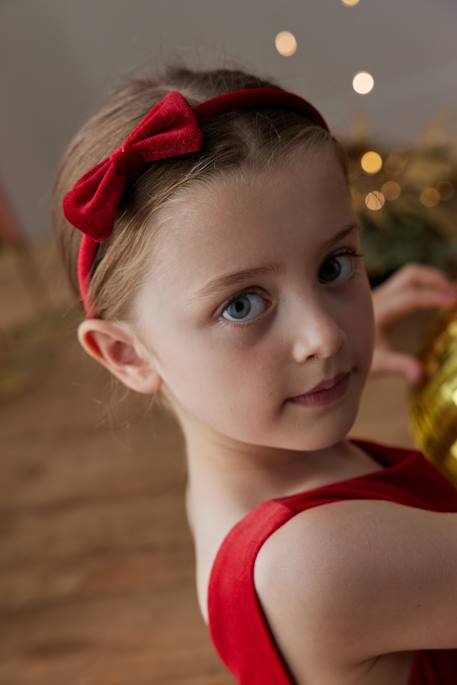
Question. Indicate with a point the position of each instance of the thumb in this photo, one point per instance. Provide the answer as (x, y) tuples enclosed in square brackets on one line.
[(406, 365)]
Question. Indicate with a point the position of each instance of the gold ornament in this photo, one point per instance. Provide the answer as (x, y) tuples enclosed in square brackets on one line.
[(433, 403)]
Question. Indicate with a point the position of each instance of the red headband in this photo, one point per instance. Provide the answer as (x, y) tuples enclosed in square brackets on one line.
[(169, 129)]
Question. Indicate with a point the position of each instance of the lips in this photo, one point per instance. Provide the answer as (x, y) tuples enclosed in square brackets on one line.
[(326, 384)]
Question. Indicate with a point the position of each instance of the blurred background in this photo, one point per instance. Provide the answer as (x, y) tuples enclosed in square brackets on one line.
[(97, 578)]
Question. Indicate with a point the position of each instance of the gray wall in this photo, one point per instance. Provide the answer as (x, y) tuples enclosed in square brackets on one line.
[(59, 57)]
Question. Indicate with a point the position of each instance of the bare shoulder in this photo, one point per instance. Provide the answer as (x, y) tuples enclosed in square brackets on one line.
[(292, 572), (354, 580)]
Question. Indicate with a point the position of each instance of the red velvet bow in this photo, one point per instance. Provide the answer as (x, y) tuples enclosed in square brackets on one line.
[(170, 129)]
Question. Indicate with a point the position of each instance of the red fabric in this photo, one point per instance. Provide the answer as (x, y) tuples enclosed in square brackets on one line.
[(238, 627), (169, 129)]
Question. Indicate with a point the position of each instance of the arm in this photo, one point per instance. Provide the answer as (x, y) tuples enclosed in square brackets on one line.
[(359, 578)]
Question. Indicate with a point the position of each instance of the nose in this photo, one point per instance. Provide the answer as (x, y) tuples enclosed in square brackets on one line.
[(318, 335)]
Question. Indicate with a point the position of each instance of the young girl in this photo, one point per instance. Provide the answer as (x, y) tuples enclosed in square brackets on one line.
[(206, 223)]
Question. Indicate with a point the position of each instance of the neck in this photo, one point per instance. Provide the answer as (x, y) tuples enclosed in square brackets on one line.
[(244, 484)]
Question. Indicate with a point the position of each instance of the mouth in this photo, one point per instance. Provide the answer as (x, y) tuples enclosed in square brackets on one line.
[(324, 385)]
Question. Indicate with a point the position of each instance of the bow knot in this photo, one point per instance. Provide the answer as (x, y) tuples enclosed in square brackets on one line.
[(169, 129), (128, 162)]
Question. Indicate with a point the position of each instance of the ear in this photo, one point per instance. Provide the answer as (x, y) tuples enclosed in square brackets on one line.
[(117, 348)]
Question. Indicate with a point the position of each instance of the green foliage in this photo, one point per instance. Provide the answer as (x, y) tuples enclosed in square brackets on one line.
[(420, 224)]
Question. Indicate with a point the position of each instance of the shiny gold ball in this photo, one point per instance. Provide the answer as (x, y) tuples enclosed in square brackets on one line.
[(433, 403)]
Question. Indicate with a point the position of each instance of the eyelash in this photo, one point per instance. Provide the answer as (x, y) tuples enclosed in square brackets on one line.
[(350, 252)]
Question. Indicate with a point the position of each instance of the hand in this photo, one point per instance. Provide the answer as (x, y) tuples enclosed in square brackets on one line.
[(414, 286)]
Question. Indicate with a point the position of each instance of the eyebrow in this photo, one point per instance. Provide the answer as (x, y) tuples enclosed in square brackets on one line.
[(217, 285)]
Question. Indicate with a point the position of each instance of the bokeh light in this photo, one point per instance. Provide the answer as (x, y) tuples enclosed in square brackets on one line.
[(286, 43)]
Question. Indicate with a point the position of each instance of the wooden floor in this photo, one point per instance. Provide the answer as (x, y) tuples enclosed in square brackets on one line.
[(96, 558)]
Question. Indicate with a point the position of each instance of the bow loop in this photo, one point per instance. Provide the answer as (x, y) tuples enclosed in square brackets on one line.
[(169, 129)]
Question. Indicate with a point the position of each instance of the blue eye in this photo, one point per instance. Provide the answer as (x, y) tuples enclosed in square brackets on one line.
[(334, 259), (240, 306)]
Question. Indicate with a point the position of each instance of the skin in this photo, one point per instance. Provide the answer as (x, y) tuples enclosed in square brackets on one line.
[(230, 383), (414, 286)]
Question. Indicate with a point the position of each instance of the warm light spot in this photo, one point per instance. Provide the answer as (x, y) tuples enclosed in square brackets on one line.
[(371, 162), (391, 190), (285, 43), (375, 200), (445, 189), (350, 3), (362, 82), (429, 197)]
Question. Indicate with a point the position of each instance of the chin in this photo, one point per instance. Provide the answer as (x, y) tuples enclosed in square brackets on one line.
[(331, 438), (329, 432)]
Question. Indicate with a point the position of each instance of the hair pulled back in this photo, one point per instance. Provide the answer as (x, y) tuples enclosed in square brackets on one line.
[(246, 138), (233, 139)]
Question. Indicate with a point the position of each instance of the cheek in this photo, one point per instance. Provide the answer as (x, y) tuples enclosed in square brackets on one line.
[(241, 369)]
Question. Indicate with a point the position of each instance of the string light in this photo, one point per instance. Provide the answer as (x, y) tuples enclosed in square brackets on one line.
[(391, 190), (429, 197), (286, 43), (371, 162), (363, 82), (445, 189), (375, 200)]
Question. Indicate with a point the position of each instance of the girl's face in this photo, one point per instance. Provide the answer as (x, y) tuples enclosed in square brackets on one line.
[(231, 353)]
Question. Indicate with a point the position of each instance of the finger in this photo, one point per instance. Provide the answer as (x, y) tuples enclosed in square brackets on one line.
[(406, 365), (423, 275), (407, 301)]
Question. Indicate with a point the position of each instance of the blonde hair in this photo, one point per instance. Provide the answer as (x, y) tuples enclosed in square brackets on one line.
[(248, 138)]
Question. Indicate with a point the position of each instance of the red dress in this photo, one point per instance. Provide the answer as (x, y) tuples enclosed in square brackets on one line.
[(238, 627)]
